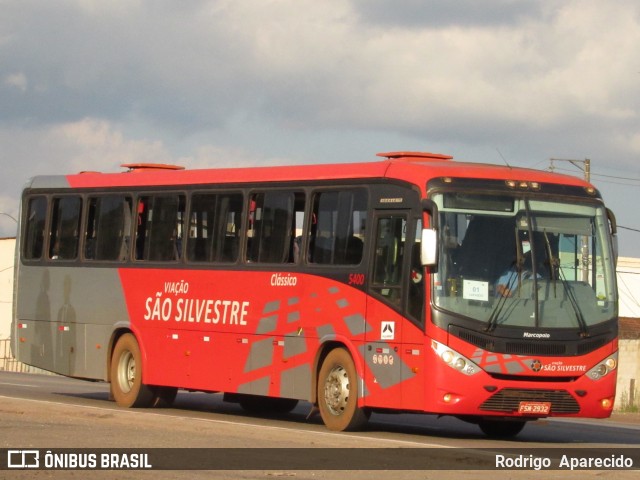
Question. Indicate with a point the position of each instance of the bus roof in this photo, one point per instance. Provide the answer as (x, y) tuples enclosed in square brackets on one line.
[(414, 167)]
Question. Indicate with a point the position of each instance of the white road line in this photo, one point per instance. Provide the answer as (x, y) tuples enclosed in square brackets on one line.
[(18, 385), (377, 441)]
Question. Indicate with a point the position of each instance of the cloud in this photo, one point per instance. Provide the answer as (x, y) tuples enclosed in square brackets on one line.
[(93, 145), (445, 13), (332, 64), (17, 80), (88, 144)]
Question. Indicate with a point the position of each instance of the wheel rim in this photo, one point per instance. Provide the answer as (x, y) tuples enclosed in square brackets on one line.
[(126, 372), (336, 390)]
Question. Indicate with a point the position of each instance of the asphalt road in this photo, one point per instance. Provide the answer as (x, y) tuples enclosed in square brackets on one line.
[(50, 412)]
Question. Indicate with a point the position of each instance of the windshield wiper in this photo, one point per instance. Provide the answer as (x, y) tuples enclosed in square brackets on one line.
[(536, 311), (492, 323), (553, 263), (584, 329)]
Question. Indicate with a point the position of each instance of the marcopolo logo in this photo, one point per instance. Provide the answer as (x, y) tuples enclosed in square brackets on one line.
[(536, 335)]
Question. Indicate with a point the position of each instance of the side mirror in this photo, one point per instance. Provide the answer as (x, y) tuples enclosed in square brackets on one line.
[(613, 225), (429, 247)]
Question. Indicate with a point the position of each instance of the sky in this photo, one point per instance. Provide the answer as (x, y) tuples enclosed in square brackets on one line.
[(92, 84)]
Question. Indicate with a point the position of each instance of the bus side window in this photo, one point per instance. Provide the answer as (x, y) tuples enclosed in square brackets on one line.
[(65, 228), (272, 230), (108, 228), (141, 229), (160, 230), (338, 232), (415, 305), (214, 226), (389, 258), (229, 223), (200, 239), (34, 228)]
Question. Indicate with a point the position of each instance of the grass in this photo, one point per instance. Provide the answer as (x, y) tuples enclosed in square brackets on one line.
[(629, 404)]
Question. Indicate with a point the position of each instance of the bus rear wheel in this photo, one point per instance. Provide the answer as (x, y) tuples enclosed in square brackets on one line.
[(126, 374), (338, 393)]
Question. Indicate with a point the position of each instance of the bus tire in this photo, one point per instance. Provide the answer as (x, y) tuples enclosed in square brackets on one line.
[(338, 393), (126, 374), (501, 428)]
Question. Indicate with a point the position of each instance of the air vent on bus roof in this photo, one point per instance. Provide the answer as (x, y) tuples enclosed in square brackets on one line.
[(150, 166), (415, 156)]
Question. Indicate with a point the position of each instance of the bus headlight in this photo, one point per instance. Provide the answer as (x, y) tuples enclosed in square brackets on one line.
[(604, 367), (454, 359)]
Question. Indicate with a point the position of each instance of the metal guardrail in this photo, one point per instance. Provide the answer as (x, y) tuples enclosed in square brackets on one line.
[(10, 364)]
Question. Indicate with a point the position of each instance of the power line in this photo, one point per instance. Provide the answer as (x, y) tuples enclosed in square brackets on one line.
[(10, 216), (617, 178), (605, 176), (618, 183), (585, 167), (629, 228)]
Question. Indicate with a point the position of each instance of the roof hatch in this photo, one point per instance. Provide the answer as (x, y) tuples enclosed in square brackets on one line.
[(415, 156), (150, 166)]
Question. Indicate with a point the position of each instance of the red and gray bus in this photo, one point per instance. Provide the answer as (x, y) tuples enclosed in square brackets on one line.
[(414, 283)]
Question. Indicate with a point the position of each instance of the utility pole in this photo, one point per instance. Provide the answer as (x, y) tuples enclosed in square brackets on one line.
[(585, 167), (584, 247)]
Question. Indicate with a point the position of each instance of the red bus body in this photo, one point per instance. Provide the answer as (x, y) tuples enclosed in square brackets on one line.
[(264, 329)]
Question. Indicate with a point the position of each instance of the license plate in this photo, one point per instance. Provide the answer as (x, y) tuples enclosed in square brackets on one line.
[(534, 408)]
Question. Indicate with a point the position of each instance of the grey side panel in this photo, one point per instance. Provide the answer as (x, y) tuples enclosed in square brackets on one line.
[(389, 368), (257, 387), (296, 383), (261, 355), (294, 345), (71, 312)]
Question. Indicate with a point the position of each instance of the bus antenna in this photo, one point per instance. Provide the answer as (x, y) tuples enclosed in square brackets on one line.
[(503, 159)]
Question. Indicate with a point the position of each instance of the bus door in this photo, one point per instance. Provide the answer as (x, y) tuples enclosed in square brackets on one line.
[(394, 344)]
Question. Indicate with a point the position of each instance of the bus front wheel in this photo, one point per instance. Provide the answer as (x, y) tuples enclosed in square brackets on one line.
[(338, 393), (126, 374)]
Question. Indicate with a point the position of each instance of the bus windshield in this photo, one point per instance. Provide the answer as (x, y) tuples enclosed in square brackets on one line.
[(524, 262)]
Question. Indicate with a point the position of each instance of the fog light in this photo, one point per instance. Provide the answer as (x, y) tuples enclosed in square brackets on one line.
[(606, 403), (447, 398)]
